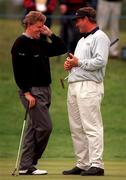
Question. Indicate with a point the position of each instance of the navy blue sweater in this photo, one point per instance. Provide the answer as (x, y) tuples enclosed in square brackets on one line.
[(30, 59)]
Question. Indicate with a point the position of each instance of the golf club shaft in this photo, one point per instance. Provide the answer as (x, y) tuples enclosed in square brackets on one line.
[(20, 143), (112, 43)]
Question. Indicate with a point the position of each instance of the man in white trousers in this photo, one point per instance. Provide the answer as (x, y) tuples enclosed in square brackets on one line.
[(85, 93), (108, 15)]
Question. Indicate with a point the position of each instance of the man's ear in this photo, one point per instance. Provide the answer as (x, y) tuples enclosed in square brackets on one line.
[(86, 19)]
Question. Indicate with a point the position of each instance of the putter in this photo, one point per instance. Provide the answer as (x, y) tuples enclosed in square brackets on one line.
[(20, 144), (62, 80)]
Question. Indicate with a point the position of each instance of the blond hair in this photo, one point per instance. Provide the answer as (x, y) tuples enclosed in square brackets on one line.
[(32, 17)]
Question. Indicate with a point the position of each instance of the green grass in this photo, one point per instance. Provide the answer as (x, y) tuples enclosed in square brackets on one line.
[(59, 154), (113, 171)]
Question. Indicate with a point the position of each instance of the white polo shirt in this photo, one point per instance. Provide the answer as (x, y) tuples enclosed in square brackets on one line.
[(92, 53)]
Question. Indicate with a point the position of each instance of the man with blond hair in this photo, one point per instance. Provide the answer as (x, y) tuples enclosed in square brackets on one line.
[(30, 58)]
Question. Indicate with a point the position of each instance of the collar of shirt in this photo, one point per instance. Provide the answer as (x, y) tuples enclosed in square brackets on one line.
[(27, 35), (91, 32)]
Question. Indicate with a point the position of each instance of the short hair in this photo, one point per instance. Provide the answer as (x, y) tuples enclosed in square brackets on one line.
[(32, 17), (88, 12)]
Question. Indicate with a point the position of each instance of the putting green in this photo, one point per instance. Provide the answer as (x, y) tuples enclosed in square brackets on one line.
[(113, 170)]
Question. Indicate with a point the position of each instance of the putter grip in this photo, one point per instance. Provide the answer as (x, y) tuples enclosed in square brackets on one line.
[(26, 113)]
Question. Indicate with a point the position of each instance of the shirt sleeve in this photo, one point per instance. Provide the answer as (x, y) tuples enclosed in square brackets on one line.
[(56, 47)]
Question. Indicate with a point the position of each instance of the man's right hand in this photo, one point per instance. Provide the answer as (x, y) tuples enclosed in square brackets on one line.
[(30, 99), (71, 61)]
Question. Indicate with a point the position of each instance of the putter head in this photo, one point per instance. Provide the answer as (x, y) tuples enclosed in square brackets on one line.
[(13, 174)]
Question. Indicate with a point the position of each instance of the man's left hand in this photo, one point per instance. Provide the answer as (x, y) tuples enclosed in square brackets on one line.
[(73, 60)]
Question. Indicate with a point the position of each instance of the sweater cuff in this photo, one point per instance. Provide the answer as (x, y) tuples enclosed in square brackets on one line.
[(53, 36), (26, 90)]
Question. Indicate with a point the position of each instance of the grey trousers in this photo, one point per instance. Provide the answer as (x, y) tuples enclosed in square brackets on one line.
[(39, 127)]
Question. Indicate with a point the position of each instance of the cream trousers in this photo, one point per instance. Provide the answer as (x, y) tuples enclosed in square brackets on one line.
[(84, 101)]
